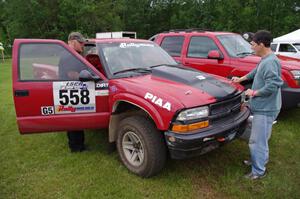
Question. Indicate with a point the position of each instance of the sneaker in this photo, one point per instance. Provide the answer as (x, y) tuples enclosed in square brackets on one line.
[(247, 162), (251, 176)]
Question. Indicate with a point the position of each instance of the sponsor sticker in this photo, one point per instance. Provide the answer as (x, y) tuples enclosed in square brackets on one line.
[(74, 97), (200, 77), (103, 85), (101, 93), (47, 110), (113, 89), (158, 101), (102, 89), (136, 45)]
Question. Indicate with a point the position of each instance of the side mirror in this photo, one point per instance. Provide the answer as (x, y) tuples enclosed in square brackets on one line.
[(86, 76), (215, 54)]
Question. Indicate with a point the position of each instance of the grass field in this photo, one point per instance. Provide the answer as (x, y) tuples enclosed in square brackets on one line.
[(41, 166)]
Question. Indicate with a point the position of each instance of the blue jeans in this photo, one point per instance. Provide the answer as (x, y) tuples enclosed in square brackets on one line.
[(258, 142)]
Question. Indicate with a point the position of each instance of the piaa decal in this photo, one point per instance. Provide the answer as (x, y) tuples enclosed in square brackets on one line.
[(158, 101)]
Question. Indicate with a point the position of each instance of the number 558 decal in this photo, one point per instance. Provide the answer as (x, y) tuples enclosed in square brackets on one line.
[(74, 97)]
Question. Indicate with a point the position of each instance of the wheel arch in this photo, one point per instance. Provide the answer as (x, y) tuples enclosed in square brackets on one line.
[(124, 108)]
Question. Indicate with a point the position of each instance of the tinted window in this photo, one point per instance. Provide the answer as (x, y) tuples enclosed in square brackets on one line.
[(286, 48), (274, 47), (173, 45), (48, 62), (200, 46)]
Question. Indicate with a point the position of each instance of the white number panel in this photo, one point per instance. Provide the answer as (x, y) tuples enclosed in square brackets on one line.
[(74, 97)]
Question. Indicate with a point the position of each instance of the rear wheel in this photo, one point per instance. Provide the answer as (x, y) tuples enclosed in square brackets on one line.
[(141, 146)]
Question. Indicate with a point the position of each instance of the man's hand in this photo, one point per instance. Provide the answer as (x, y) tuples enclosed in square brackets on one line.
[(236, 79), (250, 93), (73, 75)]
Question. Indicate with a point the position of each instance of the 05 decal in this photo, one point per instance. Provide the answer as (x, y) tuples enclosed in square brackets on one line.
[(74, 97), (47, 110)]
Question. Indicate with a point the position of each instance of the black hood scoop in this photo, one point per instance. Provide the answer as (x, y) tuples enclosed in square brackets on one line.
[(202, 81)]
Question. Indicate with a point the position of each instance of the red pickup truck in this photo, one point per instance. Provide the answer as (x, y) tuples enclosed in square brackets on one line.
[(148, 103), (226, 54)]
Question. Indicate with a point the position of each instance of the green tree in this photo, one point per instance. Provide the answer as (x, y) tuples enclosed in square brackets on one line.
[(56, 18)]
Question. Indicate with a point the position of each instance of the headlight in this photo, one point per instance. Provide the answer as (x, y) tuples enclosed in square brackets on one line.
[(296, 74), (193, 114)]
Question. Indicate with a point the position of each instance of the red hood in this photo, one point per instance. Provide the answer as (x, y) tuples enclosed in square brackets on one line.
[(288, 64), (181, 87), (170, 91)]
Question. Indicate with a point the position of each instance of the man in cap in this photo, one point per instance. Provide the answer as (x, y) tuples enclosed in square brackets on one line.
[(265, 102), (69, 69)]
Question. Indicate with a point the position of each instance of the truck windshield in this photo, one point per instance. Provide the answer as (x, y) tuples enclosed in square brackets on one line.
[(235, 45), (126, 57)]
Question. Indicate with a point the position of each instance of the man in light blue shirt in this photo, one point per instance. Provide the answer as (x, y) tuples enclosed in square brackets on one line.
[(265, 102)]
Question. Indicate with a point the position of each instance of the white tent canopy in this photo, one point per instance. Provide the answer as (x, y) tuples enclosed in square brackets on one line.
[(292, 37)]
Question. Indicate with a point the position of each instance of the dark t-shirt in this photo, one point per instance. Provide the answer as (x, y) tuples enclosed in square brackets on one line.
[(68, 63)]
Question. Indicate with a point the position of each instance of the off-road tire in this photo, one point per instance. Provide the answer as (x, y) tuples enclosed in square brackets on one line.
[(152, 143)]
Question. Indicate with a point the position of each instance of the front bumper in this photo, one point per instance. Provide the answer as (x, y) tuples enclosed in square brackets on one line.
[(205, 140), (290, 97)]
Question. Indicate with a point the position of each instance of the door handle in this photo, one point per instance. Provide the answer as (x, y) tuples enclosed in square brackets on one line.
[(21, 93)]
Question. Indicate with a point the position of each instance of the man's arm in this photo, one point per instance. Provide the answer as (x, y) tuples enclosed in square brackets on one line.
[(239, 79), (250, 75), (248, 92)]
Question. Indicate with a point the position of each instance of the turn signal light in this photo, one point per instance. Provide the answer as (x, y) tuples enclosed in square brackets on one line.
[(189, 127)]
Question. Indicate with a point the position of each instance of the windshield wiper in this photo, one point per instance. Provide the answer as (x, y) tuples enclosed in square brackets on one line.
[(244, 54), (139, 70), (158, 65)]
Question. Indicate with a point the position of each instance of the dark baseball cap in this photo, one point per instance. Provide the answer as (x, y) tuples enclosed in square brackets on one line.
[(76, 36), (248, 36)]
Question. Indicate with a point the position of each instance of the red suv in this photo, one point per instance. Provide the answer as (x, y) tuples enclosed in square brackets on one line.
[(149, 104), (226, 54)]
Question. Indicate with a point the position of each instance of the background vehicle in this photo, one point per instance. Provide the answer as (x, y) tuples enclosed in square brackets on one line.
[(287, 45), (286, 49), (133, 88), (226, 54)]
